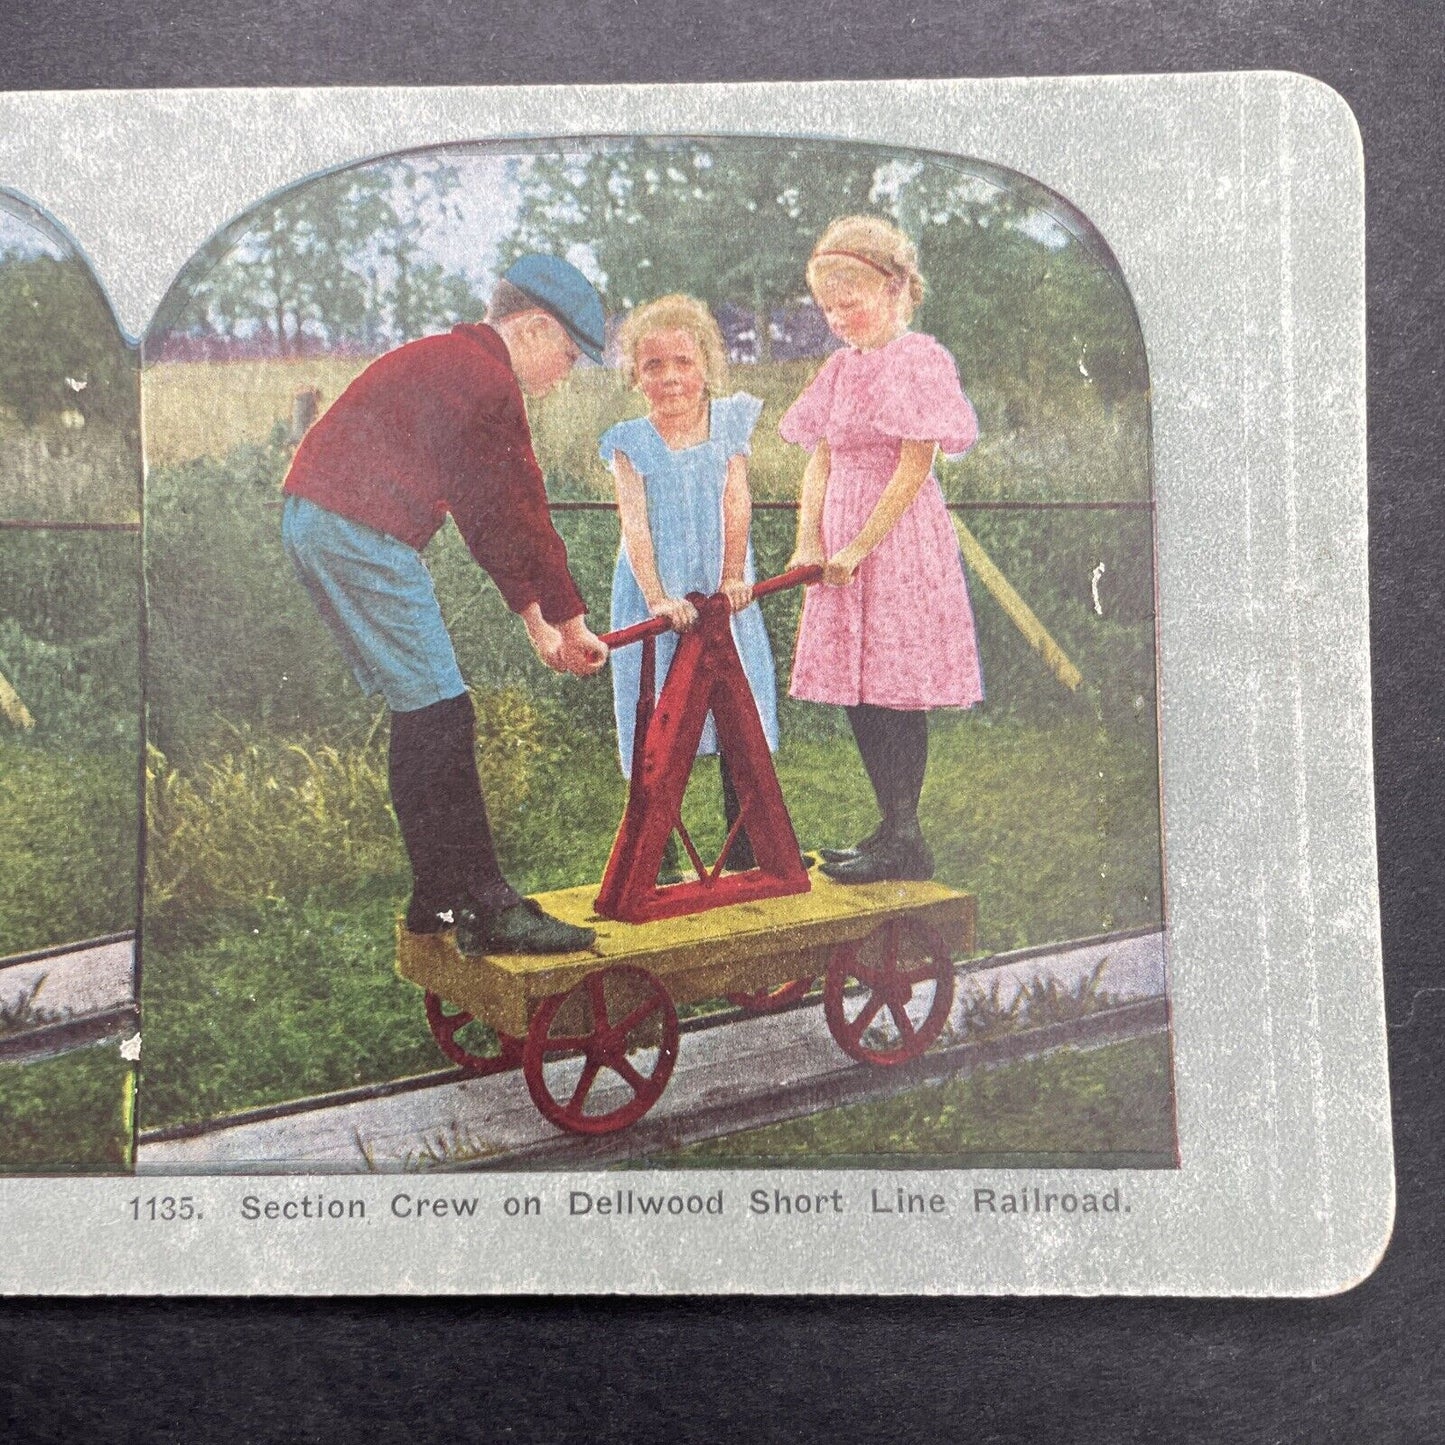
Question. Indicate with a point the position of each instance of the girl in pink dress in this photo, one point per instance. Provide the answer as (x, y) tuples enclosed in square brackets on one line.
[(889, 634)]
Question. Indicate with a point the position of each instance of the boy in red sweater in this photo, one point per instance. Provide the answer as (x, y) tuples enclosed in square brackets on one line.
[(439, 426)]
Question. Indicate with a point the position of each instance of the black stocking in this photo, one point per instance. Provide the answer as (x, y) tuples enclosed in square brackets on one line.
[(869, 726), (893, 744), (910, 763), (437, 796)]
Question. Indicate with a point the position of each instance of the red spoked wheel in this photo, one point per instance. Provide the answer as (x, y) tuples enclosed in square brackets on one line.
[(887, 997), (771, 1000), (598, 1057), (446, 1023)]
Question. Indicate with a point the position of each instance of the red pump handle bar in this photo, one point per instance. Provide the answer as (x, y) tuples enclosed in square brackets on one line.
[(655, 627)]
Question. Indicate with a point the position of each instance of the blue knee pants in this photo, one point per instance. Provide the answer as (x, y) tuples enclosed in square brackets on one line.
[(376, 595)]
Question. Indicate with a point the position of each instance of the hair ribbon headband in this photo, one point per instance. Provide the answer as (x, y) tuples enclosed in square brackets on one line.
[(862, 260)]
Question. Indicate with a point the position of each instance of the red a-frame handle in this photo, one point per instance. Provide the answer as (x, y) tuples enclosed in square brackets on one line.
[(706, 677), (656, 626)]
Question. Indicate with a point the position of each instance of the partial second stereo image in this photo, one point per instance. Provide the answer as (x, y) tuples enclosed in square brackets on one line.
[(70, 726)]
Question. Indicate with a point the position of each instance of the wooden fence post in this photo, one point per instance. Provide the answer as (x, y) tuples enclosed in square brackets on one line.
[(305, 406)]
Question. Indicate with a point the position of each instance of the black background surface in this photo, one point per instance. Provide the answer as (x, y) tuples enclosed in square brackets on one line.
[(1363, 1366)]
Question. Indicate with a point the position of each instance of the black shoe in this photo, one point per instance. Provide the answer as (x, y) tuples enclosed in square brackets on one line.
[(424, 918), (520, 928), (847, 855), (902, 858)]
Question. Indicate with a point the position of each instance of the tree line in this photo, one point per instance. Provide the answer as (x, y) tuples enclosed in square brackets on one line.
[(60, 349), (1017, 291), (338, 260), (1019, 286)]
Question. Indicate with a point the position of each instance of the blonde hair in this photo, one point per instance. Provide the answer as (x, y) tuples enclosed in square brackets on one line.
[(677, 313), (872, 242)]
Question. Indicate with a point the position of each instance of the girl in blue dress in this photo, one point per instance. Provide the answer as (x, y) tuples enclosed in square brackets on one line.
[(686, 511)]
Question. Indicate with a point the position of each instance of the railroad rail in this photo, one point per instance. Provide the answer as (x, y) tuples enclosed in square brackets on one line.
[(739, 1072), (67, 997)]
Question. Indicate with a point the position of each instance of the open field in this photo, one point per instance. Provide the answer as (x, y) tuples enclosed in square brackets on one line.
[(59, 472), (206, 409)]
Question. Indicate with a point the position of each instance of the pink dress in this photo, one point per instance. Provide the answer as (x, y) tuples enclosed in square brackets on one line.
[(901, 634)]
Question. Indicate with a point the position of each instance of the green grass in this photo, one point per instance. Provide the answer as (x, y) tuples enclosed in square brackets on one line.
[(68, 826), (293, 999), (69, 1115), (69, 805), (51, 472), (1056, 831), (1076, 1106)]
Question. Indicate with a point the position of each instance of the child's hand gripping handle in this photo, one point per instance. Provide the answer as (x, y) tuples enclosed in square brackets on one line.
[(656, 626)]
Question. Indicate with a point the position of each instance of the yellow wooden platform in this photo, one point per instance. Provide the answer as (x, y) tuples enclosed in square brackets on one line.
[(739, 948)]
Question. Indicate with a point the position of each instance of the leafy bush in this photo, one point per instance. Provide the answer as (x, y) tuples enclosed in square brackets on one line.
[(233, 638), (233, 635), (237, 641), (69, 416)]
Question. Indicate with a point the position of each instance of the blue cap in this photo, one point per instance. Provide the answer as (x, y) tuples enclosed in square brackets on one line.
[(560, 289)]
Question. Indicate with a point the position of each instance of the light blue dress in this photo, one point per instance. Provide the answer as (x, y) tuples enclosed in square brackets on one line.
[(685, 513)]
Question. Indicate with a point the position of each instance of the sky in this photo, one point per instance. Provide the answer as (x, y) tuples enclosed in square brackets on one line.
[(487, 201), (487, 204), (17, 235), (466, 231)]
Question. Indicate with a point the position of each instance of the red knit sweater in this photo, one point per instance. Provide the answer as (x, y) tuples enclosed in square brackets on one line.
[(439, 426)]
